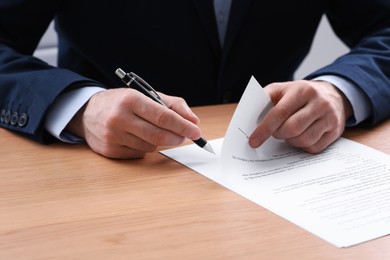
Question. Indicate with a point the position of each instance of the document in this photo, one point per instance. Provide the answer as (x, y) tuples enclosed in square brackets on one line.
[(341, 195)]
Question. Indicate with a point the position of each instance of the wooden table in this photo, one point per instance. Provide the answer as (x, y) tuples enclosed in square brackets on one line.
[(66, 202)]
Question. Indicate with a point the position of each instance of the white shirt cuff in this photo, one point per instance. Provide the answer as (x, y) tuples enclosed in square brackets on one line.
[(64, 109), (360, 102)]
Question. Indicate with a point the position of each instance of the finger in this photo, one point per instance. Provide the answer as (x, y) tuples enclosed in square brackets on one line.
[(287, 104), (119, 144), (179, 105), (152, 134), (322, 106), (113, 150), (137, 143), (326, 139), (166, 118), (318, 136), (300, 121), (105, 125), (310, 136)]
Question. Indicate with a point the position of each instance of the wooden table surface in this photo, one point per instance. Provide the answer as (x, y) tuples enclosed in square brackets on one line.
[(66, 202)]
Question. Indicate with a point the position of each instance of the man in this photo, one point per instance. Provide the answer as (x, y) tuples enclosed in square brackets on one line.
[(199, 50)]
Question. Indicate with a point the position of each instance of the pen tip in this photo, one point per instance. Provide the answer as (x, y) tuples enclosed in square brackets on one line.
[(208, 148)]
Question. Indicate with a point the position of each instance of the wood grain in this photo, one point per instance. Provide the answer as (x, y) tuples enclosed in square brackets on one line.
[(66, 202)]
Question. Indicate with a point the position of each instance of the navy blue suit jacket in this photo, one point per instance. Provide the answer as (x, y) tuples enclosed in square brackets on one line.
[(174, 45)]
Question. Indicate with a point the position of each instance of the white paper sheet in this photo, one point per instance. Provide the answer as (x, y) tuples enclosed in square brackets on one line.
[(341, 195)]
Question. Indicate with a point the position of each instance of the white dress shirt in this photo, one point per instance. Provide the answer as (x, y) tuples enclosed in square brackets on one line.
[(64, 109)]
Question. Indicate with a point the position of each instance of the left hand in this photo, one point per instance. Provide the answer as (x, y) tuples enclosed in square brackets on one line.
[(307, 114)]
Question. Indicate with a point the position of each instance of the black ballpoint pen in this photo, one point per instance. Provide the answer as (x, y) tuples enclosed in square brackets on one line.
[(134, 81)]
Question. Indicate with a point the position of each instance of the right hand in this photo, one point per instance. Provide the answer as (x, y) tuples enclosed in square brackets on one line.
[(124, 123)]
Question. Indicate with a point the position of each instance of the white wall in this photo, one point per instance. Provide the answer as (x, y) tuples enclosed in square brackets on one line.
[(326, 47)]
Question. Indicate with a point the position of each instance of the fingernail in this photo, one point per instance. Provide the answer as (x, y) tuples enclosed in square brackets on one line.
[(254, 142)]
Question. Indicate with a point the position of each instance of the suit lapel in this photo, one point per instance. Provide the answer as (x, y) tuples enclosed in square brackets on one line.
[(205, 10), (238, 12)]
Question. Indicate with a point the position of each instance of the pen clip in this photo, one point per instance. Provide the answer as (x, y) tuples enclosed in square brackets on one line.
[(133, 80), (134, 77)]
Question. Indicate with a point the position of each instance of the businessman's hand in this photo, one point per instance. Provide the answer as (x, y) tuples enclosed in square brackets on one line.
[(123, 123), (307, 114)]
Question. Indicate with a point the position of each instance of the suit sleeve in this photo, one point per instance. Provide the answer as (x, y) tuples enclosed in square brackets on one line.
[(29, 86), (364, 26)]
